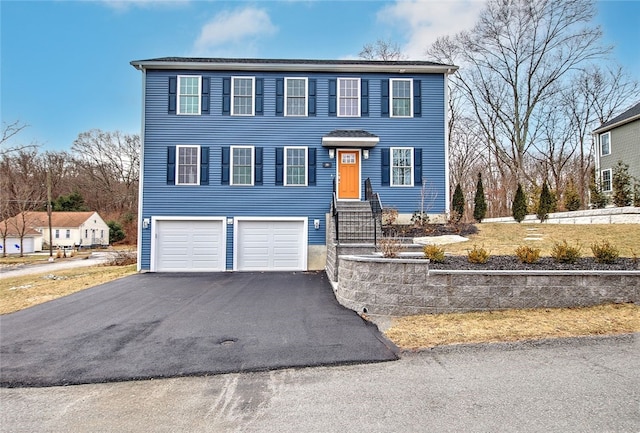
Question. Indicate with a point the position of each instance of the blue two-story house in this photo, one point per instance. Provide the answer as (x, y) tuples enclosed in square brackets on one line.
[(240, 158)]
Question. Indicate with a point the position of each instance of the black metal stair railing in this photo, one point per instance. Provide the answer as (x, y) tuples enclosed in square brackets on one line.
[(358, 222)]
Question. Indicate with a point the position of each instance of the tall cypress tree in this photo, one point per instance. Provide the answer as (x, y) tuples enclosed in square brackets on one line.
[(458, 203), (480, 204), (519, 208), (546, 203)]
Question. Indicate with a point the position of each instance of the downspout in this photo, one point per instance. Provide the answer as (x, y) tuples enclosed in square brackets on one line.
[(141, 173)]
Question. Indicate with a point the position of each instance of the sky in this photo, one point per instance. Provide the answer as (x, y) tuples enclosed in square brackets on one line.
[(64, 65)]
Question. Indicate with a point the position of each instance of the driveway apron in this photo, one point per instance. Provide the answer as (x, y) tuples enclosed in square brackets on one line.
[(170, 325)]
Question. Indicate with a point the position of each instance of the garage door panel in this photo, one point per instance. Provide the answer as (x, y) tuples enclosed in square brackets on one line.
[(270, 245), (190, 245)]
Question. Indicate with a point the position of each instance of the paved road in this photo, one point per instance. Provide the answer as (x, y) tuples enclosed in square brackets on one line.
[(169, 325), (95, 258), (579, 385)]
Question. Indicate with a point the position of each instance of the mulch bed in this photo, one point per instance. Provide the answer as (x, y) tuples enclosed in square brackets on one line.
[(411, 231), (543, 264)]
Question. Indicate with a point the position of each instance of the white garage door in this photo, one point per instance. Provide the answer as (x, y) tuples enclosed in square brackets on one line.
[(274, 245), (190, 246), (13, 245)]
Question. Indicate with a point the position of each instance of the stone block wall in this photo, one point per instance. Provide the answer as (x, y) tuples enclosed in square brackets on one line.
[(401, 287)]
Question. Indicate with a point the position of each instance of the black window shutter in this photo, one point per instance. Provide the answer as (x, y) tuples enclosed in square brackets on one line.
[(204, 166), (417, 166), (384, 98), (225, 165), (279, 165), (206, 86), (226, 96), (172, 94), (333, 97), (171, 165), (259, 96), (312, 97), (364, 98), (258, 166), (417, 98), (279, 96), (385, 173), (311, 175)]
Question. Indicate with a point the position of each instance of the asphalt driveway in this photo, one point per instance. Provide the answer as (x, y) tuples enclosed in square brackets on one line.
[(170, 325)]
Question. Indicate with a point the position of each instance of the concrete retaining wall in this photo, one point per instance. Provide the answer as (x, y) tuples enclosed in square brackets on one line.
[(614, 215), (401, 287)]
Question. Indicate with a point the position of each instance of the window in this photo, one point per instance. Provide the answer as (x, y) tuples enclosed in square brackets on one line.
[(295, 96), (68, 234), (189, 94), (606, 180), (605, 144), (187, 167), (401, 98), (242, 165), (295, 166), (401, 166), (57, 234), (349, 97), (102, 234), (242, 96), (86, 234)]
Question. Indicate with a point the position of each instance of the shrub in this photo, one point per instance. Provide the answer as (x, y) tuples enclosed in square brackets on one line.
[(419, 219), (478, 255), (519, 207), (572, 200), (389, 216), (621, 183), (527, 254), (546, 203), (434, 253), (116, 233), (457, 204), (604, 252), (599, 199), (565, 253), (390, 247), (479, 202)]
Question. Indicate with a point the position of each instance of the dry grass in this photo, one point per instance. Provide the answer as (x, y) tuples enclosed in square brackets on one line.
[(15, 259), (417, 332), (22, 292), (503, 239)]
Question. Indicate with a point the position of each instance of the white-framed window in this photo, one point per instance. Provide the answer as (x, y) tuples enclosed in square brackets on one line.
[(86, 233), (349, 97), (401, 166), (242, 165), (57, 235), (295, 166), (605, 144), (187, 165), (102, 234), (295, 96), (68, 234), (189, 89), (401, 97), (606, 180), (243, 96)]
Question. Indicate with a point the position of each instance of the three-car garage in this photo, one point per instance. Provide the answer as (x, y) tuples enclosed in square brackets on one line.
[(203, 244)]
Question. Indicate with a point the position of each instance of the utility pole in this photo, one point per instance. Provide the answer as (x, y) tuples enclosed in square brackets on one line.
[(49, 214)]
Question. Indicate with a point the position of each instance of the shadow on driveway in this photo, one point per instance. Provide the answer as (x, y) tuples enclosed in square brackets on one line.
[(169, 325)]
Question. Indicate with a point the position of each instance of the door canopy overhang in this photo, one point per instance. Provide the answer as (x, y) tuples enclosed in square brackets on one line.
[(342, 138)]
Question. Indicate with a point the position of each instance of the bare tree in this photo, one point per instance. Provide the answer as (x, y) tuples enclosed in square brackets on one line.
[(381, 50), (10, 130), (108, 164)]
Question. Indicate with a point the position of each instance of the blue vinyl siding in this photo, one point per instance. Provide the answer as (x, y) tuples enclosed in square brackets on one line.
[(268, 131)]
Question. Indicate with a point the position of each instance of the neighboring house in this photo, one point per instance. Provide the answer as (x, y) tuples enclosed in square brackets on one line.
[(31, 239), (618, 140), (241, 157), (69, 230)]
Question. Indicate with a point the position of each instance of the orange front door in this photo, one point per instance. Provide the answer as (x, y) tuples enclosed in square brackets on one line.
[(348, 174)]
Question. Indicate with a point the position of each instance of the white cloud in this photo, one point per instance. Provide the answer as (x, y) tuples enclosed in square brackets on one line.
[(421, 22), (234, 32)]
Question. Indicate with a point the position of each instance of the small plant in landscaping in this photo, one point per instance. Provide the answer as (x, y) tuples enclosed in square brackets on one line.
[(479, 201), (519, 207), (527, 254), (478, 255), (457, 204), (419, 219), (389, 216), (565, 253), (434, 253), (604, 252), (390, 247)]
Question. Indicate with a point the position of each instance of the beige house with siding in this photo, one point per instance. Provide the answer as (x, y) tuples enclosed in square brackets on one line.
[(618, 140)]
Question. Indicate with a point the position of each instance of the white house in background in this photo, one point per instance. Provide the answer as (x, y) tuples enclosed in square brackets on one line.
[(31, 239), (69, 229)]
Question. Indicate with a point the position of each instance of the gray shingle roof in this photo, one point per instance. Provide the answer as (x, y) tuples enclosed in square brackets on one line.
[(350, 133), (214, 60), (627, 116)]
